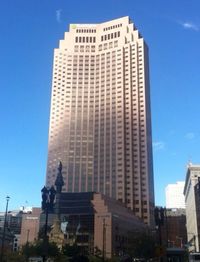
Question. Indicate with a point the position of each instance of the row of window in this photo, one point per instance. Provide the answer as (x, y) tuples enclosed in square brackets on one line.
[(75, 57), (110, 36), (83, 48), (108, 45), (112, 27), (85, 39), (102, 64), (85, 30)]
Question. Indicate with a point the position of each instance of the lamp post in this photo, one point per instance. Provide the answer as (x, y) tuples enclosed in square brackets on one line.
[(48, 196), (4, 229), (104, 238)]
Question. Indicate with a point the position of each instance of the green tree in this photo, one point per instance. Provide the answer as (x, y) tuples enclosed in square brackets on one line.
[(38, 248), (95, 259), (51, 248), (41, 233), (141, 245), (28, 250), (15, 257), (71, 251), (79, 258)]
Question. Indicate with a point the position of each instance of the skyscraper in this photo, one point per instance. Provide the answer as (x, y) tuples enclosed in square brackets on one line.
[(174, 195), (192, 201), (100, 120)]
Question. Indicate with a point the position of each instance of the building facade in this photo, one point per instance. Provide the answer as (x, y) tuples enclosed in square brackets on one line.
[(173, 231), (30, 226), (100, 119), (94, 222), (192, 209), (14, 220), (197, 203), (13, 226), (174, 195), (22, 226)]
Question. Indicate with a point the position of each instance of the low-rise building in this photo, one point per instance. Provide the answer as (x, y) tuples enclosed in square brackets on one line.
[(176, 227), (30, 226), (23, 225), (13, 227), (95, 222)]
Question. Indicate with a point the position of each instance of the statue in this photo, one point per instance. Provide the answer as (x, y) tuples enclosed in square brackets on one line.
[(59, 179), (52, 194), (60, 167), (45, 197)]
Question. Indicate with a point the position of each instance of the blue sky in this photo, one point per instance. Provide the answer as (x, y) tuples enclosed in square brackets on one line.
[(30, 30)]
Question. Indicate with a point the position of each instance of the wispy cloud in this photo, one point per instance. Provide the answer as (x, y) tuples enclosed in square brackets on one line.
[(190, 136), (158, 145), (58, 15), (190, 26)]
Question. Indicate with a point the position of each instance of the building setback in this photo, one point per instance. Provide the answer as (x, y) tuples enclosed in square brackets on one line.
[(100, 119)]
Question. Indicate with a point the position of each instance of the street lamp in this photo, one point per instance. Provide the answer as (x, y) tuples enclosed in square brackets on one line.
[(48, 196), (104, 240), (4, 229)]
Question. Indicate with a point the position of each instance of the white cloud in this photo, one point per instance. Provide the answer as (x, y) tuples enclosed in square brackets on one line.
[(58, 15), (190, 26), (190, 136), (158, 145)]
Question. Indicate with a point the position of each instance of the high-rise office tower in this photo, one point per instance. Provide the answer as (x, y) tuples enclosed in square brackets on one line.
[(192, 202), (100, 122), (174, 195)]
